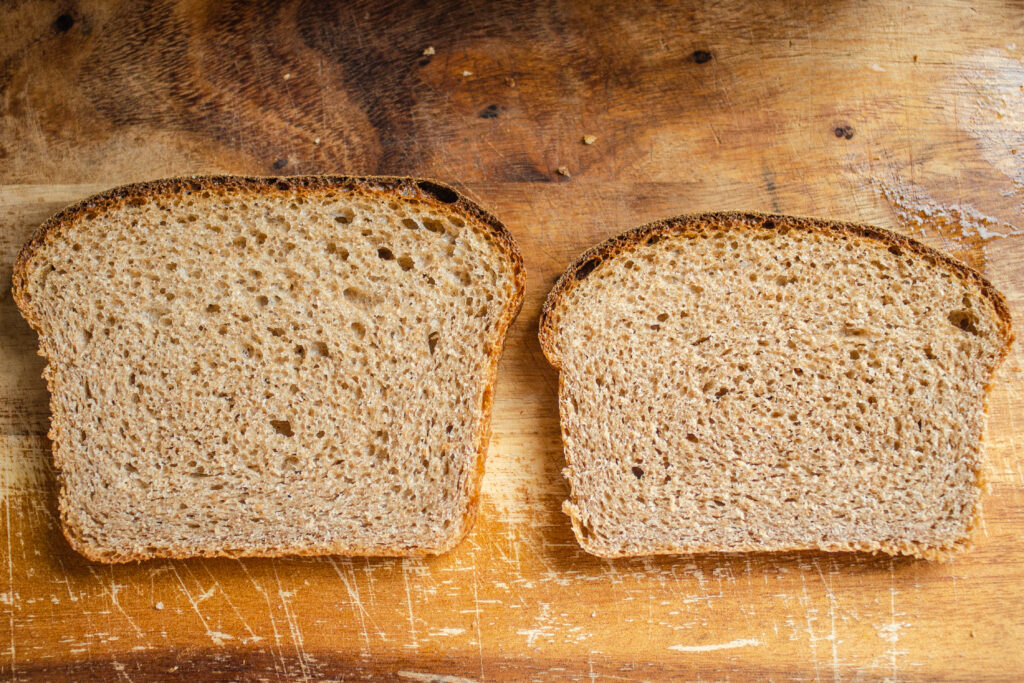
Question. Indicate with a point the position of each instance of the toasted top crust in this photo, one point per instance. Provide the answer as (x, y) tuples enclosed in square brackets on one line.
[(701, 223)]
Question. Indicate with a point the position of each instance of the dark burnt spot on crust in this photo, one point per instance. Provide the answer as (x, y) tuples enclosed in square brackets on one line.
[(439, 192), (587, 268)]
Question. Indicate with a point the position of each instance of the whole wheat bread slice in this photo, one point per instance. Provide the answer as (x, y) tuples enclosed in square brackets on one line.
[(269, 366), (744, 382)]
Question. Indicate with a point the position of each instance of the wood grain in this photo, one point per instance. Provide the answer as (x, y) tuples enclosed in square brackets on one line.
[(911, 118)]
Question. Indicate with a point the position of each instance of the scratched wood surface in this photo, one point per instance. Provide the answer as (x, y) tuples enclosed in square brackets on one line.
[(910, 118)]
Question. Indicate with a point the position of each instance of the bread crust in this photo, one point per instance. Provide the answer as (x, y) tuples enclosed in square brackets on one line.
[(439, 196), (702, 223)]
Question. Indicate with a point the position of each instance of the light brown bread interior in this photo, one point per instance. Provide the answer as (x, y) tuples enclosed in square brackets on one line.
[(738, 382), (243, 366)]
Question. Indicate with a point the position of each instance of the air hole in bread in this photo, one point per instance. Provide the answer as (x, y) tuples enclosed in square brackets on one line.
[(965, 320), (586, 269), (433, 225), (356, 296), (341, 252), (282, 427), (439, 192)]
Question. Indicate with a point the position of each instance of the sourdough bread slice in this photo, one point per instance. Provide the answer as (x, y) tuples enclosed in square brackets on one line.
[(745, 382), (270, 366)]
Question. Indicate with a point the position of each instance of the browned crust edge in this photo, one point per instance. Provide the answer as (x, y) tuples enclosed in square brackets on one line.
[(440, 196), (701, 223)]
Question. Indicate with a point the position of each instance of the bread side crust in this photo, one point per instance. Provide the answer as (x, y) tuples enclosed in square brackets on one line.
[(702, 223), (439, 196)]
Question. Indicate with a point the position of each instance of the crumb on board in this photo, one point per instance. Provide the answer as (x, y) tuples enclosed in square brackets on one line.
[(589, 139), (564, 170), (429, 51), (287, 76), (316, 141), (510, 82), (467, 73), (159, 605)]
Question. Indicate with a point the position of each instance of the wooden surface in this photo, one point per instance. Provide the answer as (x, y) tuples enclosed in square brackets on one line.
[(910, 118)]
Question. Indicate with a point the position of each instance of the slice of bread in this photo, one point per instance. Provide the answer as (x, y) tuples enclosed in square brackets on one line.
[(270, 366), (744, 382)]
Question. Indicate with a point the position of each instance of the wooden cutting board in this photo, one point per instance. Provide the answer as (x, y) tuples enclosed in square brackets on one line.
[(911, 118)]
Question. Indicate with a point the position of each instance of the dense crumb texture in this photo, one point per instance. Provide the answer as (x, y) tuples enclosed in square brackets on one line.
[(270, 366), (735, 382)]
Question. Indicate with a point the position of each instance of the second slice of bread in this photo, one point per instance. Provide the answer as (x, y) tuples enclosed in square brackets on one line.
[(261, 366), (736, 382)]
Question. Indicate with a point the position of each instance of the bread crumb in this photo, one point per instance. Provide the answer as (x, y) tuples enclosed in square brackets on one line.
[(316, 141), (429, 51), (589, 139), (467, 73), (287, 76), (510, 82), (564, 170), (159, 605)]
